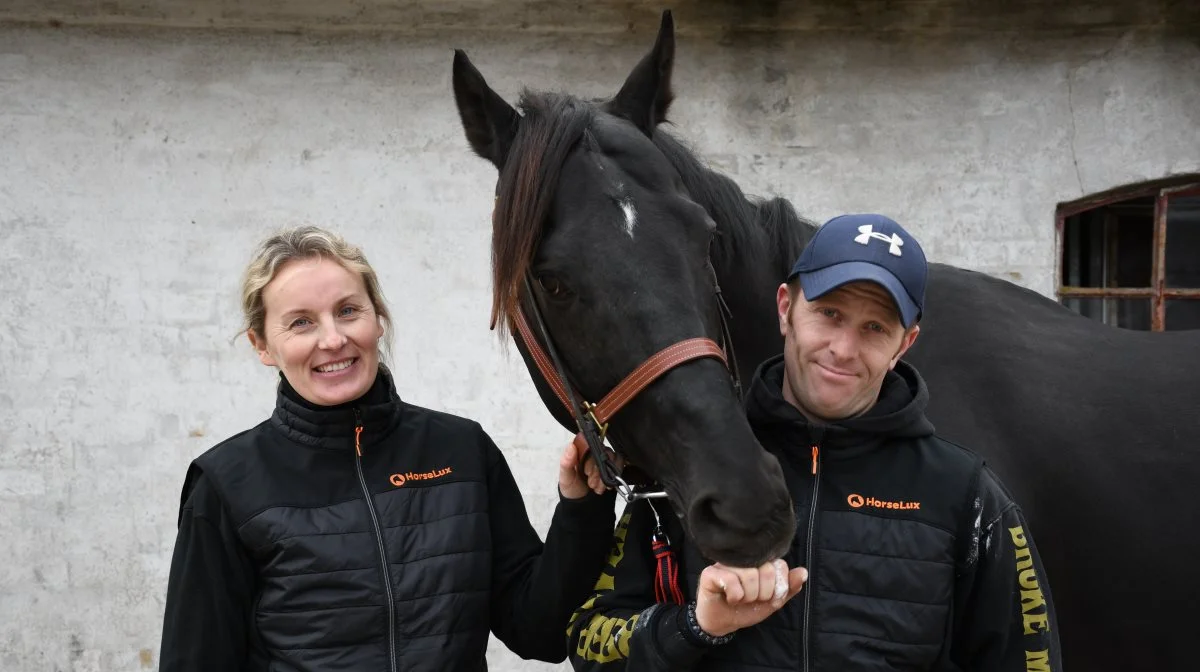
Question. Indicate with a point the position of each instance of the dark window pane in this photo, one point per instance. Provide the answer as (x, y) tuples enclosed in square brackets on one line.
[(1125, 313), (1183, 314), (1183, 242), (1111, 246)]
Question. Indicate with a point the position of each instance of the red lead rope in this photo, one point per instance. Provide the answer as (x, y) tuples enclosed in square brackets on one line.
[(666, 569), (666, 574)]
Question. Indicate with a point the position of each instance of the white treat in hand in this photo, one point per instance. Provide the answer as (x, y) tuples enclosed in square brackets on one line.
[(781, 579)]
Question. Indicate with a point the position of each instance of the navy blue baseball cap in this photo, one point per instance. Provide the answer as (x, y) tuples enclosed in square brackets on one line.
[(865, 248)]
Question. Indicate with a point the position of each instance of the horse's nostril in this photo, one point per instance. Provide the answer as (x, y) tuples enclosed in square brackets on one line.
[(715, 514), (742, 530), (704, 512)]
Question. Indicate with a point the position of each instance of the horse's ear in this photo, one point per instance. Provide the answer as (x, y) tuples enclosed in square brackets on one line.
[(490, 123), (646, 94)]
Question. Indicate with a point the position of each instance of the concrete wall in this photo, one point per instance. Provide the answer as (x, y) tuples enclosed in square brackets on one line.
[(138, 167), (704, 17)]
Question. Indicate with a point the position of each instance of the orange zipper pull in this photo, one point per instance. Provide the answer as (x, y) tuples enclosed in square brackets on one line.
[(358, 426), (816, 452)]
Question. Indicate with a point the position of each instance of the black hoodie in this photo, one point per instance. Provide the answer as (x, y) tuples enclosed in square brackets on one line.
[(918, 558)]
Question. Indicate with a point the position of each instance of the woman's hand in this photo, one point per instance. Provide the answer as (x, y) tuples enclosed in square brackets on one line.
[(577, 471)]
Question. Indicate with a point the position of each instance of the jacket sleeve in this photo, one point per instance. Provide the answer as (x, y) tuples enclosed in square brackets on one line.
[(210, 588), (535, 586), (1005, 615), (620, 627)]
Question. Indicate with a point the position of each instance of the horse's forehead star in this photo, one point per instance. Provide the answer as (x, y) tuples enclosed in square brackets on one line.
[(630, 213), (625, 202)]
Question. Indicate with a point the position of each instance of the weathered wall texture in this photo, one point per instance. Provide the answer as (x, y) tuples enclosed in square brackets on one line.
[(704, 17), (138, 166)]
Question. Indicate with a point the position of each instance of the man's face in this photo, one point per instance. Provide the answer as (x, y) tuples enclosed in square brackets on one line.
[(838, 348)]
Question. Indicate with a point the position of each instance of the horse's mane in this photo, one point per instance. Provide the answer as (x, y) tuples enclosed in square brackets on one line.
[(749, 229), (551, 126)]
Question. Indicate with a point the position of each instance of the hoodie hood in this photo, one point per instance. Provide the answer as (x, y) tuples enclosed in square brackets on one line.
[(898, 413)]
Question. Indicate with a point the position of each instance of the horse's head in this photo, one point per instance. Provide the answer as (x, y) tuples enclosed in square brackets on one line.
[(590, 207)]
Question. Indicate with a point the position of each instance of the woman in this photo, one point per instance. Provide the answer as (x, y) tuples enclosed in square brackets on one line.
[(353, 531)]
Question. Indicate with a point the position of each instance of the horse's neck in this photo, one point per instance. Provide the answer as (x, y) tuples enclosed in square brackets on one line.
[(750, 272), (750, 275), (754, 327), (756, 246)]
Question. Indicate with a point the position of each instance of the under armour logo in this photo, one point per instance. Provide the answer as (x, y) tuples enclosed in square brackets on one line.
[(867, 232)]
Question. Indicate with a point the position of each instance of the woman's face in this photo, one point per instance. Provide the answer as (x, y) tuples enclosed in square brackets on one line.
[(321, 331)]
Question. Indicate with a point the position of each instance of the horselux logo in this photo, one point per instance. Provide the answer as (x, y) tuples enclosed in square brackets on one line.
[(399, 480), (857, 501)]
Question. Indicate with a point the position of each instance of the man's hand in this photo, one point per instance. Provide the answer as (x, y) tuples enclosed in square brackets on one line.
[(732, 598)]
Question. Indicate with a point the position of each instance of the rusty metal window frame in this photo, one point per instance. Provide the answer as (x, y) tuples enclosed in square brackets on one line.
[(1158, 293)]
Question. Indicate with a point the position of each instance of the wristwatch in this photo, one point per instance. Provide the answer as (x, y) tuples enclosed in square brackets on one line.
[(694, 633)]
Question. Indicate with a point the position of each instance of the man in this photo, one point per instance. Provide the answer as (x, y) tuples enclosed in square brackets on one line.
[(911, 554)]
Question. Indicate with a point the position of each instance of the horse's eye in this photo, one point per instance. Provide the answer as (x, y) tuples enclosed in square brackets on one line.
[(552, 285)]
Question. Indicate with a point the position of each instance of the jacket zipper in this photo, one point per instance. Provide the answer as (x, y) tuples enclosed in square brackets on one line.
[(808, 551), (387, 579)]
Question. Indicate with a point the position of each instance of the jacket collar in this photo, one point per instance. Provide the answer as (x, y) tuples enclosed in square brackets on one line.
[(378, 411), (898, 413)]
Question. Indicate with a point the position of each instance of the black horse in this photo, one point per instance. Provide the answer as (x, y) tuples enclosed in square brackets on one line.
[(1093, 428)]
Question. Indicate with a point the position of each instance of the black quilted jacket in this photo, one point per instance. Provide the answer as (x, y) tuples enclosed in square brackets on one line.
[(918, 559), (298, 551)]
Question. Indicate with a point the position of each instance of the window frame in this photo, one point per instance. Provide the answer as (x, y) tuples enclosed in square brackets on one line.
[(1158, 292)]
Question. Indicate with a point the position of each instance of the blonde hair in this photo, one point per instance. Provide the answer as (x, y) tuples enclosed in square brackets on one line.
[(306, 242)]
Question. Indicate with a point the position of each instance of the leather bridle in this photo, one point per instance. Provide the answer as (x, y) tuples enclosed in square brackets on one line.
[(593, 418)]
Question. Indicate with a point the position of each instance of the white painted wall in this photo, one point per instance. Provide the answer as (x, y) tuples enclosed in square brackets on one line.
[(138, 167)]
